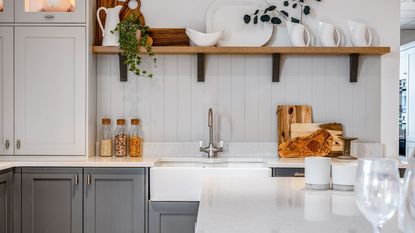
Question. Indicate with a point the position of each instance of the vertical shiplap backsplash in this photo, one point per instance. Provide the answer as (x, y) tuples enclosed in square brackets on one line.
[(173, 105)]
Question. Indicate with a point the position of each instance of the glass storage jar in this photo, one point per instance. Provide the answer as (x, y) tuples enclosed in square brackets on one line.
[(106, 138), (121, 139), (136, 139)]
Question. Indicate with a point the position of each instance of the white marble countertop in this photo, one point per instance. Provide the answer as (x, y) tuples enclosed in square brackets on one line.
[(66, 161), (39, 161), (299, 162), (278, 205)]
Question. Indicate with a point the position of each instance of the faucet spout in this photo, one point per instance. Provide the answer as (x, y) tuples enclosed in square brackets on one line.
[(211, 149), (210, 118)]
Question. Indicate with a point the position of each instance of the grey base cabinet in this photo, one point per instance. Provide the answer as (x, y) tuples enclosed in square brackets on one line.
[(6, 192), (172, 217), (115, 200), (51, 200)]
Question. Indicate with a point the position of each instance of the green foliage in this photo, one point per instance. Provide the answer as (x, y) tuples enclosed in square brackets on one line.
[(129, 44), (275, 16)]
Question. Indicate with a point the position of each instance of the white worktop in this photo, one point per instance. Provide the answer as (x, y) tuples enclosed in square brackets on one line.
[(39, 161), (232, 205), (146, 161)]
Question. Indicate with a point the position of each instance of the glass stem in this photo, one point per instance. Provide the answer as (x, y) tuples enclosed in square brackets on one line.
[(377, 228)]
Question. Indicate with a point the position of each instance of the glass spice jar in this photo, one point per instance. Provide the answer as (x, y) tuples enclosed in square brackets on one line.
[(121, 139), (106, 138), (136, 139)]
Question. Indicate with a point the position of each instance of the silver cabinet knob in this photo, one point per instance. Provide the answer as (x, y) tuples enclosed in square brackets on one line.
[(18, 144), (7, 144)]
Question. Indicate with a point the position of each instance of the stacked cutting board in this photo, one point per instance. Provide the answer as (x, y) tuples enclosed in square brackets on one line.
[(299, 137)]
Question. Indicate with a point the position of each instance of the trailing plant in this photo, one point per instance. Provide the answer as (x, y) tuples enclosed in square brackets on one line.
[(275, 16), (132, 36)]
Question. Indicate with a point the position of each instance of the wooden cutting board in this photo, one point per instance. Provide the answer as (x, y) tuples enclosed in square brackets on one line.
[(335, 129), (289, 114)]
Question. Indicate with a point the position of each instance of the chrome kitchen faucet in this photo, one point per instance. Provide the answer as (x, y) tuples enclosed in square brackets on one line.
[(212, 150)]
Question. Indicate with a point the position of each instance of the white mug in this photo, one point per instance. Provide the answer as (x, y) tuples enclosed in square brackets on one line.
[(358, 33), (317, 173), (327, 33), (296, 33), (344, 176)]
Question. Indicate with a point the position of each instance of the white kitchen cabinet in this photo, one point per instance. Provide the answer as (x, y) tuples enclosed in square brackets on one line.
[(41, 11), (50, 95), (6, 11), (6, 90)]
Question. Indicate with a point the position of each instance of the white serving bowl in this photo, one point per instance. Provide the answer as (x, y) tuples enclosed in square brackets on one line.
[(203, 39)]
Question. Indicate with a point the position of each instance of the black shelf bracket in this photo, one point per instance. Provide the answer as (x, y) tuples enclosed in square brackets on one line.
[(200, 67), (354, 67), (276, 59), (123, 69)]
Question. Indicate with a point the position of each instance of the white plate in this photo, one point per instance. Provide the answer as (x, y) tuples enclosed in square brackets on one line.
[(227, 15)]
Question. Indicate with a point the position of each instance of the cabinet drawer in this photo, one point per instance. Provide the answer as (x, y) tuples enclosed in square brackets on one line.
[(288, 172)]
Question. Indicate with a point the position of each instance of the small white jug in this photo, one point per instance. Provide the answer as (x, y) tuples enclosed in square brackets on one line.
[(111, 22), (358, 32), (327, 34), (296, 34)]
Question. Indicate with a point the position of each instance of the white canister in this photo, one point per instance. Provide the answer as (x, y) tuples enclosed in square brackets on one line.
[(317, 173), (344, 176)]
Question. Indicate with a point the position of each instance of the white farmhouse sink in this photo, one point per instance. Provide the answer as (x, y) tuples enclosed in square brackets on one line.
[(180, 179)]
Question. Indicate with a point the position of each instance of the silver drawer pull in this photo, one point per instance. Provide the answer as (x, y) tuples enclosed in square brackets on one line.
[(88, 179), (76, 179), (18, 144), (49, 16), (7, 144), (298, 174)]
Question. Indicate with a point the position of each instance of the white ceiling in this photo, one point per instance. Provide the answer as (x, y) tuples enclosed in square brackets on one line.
[(407, 14)]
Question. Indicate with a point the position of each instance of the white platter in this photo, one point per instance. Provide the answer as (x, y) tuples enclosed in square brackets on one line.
[(227, 16)]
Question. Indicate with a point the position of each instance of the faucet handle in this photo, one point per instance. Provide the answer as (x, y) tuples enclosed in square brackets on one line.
[(221, 144), (200, 143)]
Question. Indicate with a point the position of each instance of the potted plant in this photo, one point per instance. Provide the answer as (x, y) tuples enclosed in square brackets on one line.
[(133, 35)]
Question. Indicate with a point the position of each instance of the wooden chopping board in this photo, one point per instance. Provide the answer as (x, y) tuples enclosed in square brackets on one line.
[(289, 114), (335, 129)]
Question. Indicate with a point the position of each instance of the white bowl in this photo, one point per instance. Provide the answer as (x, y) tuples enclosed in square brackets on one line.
[(203, 39)]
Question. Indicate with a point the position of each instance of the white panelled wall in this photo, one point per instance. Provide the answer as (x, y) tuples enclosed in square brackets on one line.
[(173, 106)]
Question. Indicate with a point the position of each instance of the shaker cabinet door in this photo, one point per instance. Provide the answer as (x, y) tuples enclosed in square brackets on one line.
[(6, 90), (50, 79), (56, 11), (6, 187), (114, 200), (52, 200), (7, 11), (172, 217)]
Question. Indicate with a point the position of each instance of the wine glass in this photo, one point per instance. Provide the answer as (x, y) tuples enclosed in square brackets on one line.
[(407, 201), (377, 190)]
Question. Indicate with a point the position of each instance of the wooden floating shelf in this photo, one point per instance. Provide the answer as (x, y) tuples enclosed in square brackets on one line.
[(276, 52)]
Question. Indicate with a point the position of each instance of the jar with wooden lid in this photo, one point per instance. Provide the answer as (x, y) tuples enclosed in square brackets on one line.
[(136, 139), (121, 139), (106, 138)]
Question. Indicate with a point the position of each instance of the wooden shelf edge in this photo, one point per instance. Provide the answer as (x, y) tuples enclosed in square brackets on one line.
[(183, 50)]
